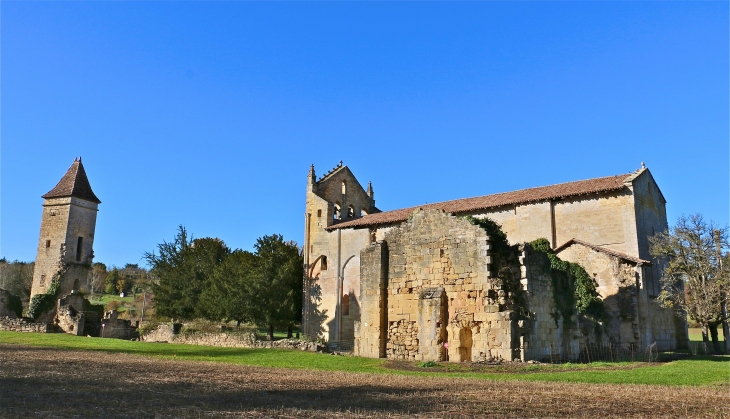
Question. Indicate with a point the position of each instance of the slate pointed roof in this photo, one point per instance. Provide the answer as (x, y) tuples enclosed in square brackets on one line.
[(74, 183)]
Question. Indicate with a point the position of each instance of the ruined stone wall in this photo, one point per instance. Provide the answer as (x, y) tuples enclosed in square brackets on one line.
[(13, 324), (372, 329), (547, 336), (618, 285), (164, 333), (63, 221), (435, 251)]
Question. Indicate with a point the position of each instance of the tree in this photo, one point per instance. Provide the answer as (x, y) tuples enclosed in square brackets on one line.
[(694, 279), (277, 283), (110, 282), (17, 278), (98, 276), (230, 294), (184, 268), (121, 285)]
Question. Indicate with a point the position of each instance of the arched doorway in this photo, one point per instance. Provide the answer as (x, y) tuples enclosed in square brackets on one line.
[(465, 344)]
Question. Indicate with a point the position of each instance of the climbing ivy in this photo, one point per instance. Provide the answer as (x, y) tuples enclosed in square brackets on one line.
[(573, 287), (497, 237), (41, 303)]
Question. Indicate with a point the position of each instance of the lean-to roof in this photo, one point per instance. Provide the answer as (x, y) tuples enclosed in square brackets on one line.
[(603, 250)]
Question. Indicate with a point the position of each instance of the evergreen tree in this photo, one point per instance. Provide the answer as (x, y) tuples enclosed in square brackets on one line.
[(276, 283), (184, 269), (230, 295)]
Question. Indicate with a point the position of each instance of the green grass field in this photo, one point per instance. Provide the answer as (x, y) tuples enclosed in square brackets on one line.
[(695, 334), (105, 299), (697, 371)]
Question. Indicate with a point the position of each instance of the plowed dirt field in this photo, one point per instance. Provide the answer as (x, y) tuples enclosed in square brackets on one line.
[(51, 383)]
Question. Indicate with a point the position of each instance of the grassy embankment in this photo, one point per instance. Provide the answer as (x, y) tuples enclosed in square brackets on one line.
[(696, 371)]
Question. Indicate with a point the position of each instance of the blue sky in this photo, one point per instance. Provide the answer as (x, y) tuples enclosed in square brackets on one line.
[(208, 114)]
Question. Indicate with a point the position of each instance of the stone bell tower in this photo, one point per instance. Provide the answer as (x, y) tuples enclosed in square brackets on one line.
[(65, 245)]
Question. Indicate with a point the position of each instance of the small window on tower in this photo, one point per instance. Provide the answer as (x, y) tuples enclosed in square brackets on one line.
[(344, 188), (323, 263), (319, 213), (43, 280), (79, 245), (48, 243), (337, 211), (350, 212)]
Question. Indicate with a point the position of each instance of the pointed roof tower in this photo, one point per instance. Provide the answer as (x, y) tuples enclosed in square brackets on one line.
[(74, 183)]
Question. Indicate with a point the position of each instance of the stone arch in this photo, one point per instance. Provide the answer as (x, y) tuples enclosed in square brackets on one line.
[(322, 259), (337, 212), (349, 308)]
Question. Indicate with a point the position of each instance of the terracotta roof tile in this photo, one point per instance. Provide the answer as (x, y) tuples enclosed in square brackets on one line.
[(603, 250), (523, 196), (74, 183)]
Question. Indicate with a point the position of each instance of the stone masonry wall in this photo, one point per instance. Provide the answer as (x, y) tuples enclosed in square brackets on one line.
[(438, 250), (163, 333), (11, 324), (63, 221), (372, 328), (618, 286), (547, 335)]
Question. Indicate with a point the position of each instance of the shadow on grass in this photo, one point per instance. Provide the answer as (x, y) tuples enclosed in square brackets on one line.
[(43, 382), (110, 389)]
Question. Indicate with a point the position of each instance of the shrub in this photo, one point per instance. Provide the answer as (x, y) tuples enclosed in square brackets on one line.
[(15, 304), (427, 364), (112, 305), (148, 327)]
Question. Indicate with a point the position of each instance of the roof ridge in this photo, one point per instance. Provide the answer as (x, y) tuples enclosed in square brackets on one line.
[(520, 196), (624, 176)]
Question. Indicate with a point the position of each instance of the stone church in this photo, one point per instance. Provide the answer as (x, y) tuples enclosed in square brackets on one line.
[(402, 283)]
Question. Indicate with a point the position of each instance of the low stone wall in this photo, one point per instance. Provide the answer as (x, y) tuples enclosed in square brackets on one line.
[(163, 333), (9, 324)]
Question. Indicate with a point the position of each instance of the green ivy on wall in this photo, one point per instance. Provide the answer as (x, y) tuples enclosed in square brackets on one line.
[(41, 303), (573, 287)]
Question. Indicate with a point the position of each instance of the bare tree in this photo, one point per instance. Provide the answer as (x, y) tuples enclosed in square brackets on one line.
[(694, 280), (17, 278)]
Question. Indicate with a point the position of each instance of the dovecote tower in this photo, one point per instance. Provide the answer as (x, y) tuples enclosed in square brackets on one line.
[(65, 245)]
